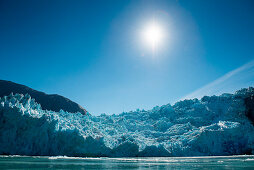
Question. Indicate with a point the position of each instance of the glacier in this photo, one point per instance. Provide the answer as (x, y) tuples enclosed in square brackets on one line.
[(213, 125)]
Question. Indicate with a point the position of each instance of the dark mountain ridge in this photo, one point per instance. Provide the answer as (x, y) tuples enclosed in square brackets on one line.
[(52, 102)]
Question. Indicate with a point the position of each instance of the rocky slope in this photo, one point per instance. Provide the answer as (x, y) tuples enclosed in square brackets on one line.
[(52, 102)]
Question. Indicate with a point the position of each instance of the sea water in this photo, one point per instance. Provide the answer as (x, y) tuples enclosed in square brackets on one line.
[(63, 162)]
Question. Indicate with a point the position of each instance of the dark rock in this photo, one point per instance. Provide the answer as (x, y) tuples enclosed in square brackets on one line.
[(249, 103), (52, 102)]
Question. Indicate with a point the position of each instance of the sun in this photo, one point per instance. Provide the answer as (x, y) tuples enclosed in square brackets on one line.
[(153, 35)]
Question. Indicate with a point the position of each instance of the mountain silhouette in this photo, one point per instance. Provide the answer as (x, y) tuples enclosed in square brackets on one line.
[(52, 102)]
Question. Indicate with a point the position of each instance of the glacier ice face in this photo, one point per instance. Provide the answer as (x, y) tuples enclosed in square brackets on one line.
[(215, 125)]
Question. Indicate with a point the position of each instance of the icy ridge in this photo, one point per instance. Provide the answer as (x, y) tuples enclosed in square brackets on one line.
[(215, 125)]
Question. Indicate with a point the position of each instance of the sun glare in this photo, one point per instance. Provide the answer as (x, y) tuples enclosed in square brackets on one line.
[(153, 35)]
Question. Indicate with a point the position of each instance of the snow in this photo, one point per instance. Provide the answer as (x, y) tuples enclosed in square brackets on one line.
[(215, 125)]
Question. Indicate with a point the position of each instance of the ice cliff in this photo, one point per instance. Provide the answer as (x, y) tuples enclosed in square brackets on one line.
[(215, 125)]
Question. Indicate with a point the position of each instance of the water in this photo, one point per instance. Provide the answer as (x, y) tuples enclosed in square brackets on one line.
[(209, 162)]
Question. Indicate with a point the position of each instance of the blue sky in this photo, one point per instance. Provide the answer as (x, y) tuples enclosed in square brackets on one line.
[(92, 52)]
